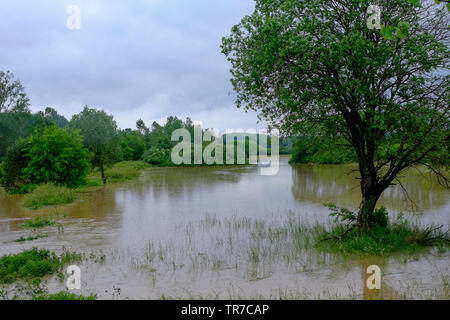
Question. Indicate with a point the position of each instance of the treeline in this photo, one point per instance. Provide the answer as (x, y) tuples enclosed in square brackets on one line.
[(47, 148), (322, 149), (44, 147)]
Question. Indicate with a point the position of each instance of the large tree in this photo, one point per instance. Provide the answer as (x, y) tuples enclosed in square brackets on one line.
[(303, 62), (100, 136), (12, 94)]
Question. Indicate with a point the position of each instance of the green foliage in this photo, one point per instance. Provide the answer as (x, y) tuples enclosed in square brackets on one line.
[(156, 156), (303, 64), (341, 214), (53, 116), (64, 295), (49, 195), (379, 241), (17, 125), (56, 156), (12, 94), (11, 170), (37, 223), (132, 144), (379, 218), (322, 150), (30, 238), (32, 264), (125, 170), (286, 145), (100, 136), (159, 140)]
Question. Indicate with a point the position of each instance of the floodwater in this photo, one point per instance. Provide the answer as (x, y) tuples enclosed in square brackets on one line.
[(229, 232)]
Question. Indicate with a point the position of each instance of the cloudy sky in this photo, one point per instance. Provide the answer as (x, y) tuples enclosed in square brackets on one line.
[(135, 59)]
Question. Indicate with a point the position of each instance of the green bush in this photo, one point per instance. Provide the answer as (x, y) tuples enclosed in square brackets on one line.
[(322, 150), (37, 222), (32, 264), (133, 146), (11, 170), (378, 219), (48, 195), (156, 156), (379, 241), (56, 156)]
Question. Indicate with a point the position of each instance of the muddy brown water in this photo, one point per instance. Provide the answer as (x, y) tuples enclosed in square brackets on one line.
[(209, 233)]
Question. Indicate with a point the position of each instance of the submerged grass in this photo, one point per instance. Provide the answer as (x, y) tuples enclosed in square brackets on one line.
[(126, 170), (48, 195), (383, 241), (38, 222), (33, 264), (31, 238), (119, 172), (64, 295)]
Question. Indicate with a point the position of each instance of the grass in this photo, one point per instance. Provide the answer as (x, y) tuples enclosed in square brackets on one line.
[(396, 237), (37, 223), (64, 295), (48, 195), (23, 239), (126, 170), (119, 172), (33, 264)]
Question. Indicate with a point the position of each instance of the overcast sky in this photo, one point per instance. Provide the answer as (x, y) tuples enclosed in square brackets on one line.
[(135, 59)]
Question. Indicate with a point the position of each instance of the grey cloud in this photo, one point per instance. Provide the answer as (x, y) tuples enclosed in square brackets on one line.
[(147, 59)]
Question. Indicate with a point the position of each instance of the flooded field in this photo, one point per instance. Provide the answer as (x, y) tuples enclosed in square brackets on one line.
[(228, 232)]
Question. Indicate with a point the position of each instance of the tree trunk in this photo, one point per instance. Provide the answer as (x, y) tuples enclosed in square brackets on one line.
[(371, 192), (103, 174), (366, 208)]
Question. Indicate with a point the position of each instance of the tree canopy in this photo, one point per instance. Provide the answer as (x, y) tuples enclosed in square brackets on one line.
[(100, 136), (12, 94), (300, 63)]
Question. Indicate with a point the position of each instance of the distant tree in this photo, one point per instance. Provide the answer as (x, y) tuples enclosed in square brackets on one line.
[(12, 95), (303, 62), (144, 130), (100, 136), (53, 115), (132, 144), (17, 125), (11, 170)]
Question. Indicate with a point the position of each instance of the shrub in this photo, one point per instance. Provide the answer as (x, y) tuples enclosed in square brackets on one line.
[(11, 170), (64, 295), (48, 195), (32, 264), (125, 170), (56, 156), (133, 146), (322, 150), (37, 222), (378, 219), (157, 156)]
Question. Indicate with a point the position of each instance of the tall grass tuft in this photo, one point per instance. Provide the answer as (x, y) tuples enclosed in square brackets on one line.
[(48, 195), (123, 171)]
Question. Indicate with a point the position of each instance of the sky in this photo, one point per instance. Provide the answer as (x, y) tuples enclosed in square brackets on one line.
[(135, 59)]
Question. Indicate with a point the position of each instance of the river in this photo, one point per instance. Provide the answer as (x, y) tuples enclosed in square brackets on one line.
[(203, 233)]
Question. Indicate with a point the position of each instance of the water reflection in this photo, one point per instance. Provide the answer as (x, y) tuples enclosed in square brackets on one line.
[(164, 207), (339, 184)]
